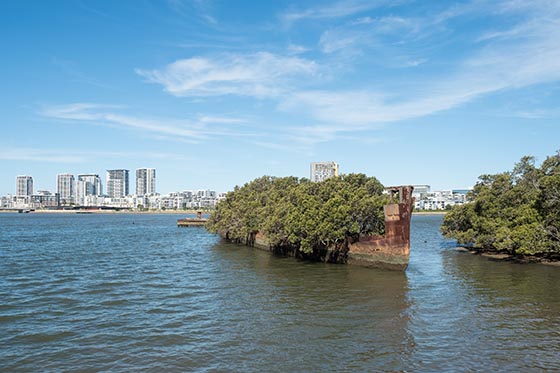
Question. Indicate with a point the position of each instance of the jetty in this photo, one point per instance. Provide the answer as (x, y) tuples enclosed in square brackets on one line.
[(199, 221)]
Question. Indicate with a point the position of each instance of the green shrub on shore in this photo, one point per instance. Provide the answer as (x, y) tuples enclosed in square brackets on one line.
[(516, 212), (301, 216)]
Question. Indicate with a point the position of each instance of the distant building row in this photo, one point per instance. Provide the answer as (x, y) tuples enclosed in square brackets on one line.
[(199, 199), (86, 190), (437, 200), (74, 190)]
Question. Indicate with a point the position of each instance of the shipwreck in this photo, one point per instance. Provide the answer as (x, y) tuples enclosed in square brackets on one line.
[(390, 251)]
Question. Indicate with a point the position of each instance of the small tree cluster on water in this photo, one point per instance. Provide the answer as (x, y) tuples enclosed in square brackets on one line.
[(300, 217), (517, 212)]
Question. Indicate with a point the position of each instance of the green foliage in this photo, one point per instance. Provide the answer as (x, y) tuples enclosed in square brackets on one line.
[(517, 212), (301, 216)]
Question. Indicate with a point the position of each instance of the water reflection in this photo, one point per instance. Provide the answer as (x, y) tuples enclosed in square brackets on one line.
[(477, 314), (323, 316), (516, 306)]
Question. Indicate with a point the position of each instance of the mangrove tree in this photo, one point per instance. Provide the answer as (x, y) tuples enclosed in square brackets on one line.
[(516, 212), (302, 218)]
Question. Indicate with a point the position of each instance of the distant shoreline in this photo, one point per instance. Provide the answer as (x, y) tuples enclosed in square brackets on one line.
[(502, 257), (87, 211), (435, 212), (170, 212)]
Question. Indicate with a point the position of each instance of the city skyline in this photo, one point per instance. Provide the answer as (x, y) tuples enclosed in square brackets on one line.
[(69, 184), (215, 94)]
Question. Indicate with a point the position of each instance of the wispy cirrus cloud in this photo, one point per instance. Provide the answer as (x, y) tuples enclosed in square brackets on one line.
[(74, 155), (386, 34), (39, 155), (258, 75), (336, 9), (523, 52), (489, 72), (187, 130), (526, 54)]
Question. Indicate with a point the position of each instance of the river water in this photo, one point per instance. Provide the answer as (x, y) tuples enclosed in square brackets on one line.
[(124, 293)]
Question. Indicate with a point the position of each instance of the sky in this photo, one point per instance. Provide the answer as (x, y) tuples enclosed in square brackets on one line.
[(216, 93)]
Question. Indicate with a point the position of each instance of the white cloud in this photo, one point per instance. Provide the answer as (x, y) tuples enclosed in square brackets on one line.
[(214, 119), (368, 32), (414, 63), (537, 114), (510, 60), (39, 155), (75, 155), (334, 10), (362, 21), (189, 130), (522, 51), (341, 39), (296, 49), (487, 73), (259, 75)]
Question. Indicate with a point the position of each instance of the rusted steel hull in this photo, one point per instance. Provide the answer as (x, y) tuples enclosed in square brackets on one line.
[(392, 250)]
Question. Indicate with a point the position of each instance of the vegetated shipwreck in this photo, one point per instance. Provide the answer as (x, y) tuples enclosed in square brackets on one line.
[(391, 251)]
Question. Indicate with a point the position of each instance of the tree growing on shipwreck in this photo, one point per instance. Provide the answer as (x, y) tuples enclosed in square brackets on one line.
[(301, 218)]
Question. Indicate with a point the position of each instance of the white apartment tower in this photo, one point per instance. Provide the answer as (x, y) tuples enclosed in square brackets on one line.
[(145, 181), (24, 185), (87, 185), (323, 170), (117, 183), (65, 187)]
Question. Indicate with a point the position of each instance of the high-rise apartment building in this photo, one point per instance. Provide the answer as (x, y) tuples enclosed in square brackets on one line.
[(92, 184), (24, 185), (65, 187), (87, 185), (145, 181), (323, 170), (117, 183)]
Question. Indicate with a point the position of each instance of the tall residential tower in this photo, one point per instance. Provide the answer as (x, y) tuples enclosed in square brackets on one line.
[(65, 187), (145, 181), (24, 185), (87, 185), (117, 183)]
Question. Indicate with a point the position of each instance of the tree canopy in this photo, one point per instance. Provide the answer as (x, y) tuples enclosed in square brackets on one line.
[(516, 212), (302, 216)]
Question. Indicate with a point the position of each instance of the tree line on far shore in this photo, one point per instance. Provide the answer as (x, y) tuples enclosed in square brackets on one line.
[(300, 217), (516, 212)]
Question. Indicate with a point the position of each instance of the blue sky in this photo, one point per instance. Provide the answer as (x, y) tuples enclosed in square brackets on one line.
[(215, 93)]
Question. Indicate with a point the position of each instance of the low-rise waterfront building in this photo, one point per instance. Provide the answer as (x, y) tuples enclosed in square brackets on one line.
[(420, 191), (44, 198), (5, 202), (440, 200)]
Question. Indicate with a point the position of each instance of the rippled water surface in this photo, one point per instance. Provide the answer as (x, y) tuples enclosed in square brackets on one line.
[(136, 293)]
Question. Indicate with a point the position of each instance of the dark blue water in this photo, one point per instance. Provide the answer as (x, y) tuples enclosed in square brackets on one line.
[(121, 293)]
